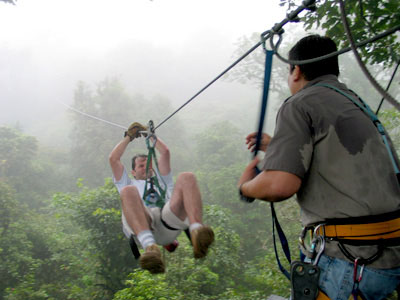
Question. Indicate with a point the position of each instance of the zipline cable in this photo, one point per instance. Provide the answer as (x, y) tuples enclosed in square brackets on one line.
[(372, 80), (291, 17), (93, 117), (210, 83), (276, 30)]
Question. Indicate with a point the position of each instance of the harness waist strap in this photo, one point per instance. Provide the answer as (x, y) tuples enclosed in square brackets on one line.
[(371, 231)]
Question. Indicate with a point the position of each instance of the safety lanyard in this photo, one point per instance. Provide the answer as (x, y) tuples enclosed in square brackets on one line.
[(275, 222), (158, 193), (367, 110)]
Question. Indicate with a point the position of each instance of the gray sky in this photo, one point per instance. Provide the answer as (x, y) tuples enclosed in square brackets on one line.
[(168, 47)]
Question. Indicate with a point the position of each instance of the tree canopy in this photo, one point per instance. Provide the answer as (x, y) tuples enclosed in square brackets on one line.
[(366, 19)]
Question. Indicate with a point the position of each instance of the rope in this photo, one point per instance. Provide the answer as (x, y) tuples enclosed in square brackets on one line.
[(387, 88), (277, 30), (291, 17), (344, 50), (93, 117), (210, 83), (360, 63)]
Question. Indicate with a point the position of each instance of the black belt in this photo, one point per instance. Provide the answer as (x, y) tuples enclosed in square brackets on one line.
[(166, 225)]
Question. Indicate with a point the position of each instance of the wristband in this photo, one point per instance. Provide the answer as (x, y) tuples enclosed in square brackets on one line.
[(243, 197)]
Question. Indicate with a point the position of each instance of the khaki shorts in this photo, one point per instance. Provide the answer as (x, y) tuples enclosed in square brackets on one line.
[(162, 234)]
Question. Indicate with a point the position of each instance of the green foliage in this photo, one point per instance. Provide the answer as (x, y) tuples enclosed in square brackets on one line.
[(391, 120), (31, 176), (366, 19), (31, 255), (144, 286), (96, 214), (215, 142), (251, 69)]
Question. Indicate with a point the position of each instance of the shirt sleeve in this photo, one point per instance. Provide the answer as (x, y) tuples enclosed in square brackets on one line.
[(168, 181), (124, 181), (291, 147)]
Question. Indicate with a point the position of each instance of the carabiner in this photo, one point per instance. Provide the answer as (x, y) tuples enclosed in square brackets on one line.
[(320, 250)]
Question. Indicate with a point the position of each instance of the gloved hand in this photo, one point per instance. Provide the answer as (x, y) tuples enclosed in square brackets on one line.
[(134, 130)]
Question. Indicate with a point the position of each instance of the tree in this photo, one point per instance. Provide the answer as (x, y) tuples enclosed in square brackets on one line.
[(251, 69), (391, 120), (21, 169), (145, 286), (95, 215), (366, 19)]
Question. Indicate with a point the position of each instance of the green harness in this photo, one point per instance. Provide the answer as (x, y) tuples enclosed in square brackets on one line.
[(154, 194)]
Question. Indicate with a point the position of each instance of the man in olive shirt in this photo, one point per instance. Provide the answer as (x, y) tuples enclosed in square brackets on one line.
[(327, 150)]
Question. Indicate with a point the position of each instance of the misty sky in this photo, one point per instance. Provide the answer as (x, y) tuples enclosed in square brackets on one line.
[(167, 47)]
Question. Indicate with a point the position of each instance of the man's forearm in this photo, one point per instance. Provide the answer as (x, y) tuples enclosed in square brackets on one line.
[(161, 147), (164, 159), (119, 149), (271, 186)]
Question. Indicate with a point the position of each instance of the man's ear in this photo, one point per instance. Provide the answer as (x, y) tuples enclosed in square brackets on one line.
[(133, 173), (297, 74)]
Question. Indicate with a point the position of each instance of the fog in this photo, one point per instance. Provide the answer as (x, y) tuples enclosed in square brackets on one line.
[(170, 48)]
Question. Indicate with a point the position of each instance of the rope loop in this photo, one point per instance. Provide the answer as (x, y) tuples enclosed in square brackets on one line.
[(275, 47)]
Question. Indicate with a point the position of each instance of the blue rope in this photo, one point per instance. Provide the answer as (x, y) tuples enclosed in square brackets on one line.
[(275, 222), (264, 103)]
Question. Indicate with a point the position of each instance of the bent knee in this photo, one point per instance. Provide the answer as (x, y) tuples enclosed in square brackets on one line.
[(186, 179), (189, 176), (129, 191)]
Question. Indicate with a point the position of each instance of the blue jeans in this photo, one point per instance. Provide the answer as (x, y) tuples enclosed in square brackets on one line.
[(336, 280)]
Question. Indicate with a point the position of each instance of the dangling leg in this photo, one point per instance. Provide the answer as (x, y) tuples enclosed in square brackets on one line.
[(139, 220), (186, 203)]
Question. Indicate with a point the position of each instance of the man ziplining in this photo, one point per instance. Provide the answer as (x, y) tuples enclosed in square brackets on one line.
[(149, 222)]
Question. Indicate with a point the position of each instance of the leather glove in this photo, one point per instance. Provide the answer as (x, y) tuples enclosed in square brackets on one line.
[(134, 130)]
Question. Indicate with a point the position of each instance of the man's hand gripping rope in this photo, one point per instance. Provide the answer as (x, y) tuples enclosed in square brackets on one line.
[(136, 130)]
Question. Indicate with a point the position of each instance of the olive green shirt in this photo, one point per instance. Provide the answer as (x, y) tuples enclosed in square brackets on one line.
[(336, 150)]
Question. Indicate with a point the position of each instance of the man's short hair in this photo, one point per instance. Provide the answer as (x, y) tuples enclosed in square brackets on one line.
[(315, 46), (134, 159)]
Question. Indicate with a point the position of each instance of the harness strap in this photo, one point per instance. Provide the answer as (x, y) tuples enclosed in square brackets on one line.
[(153, 181), (134, 247), (372, 231), (362, 261), (368, 111), (166, 225)]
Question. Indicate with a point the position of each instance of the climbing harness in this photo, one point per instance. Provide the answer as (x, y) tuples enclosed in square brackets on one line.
[(154, 194), (367, 110), (381, 230)]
